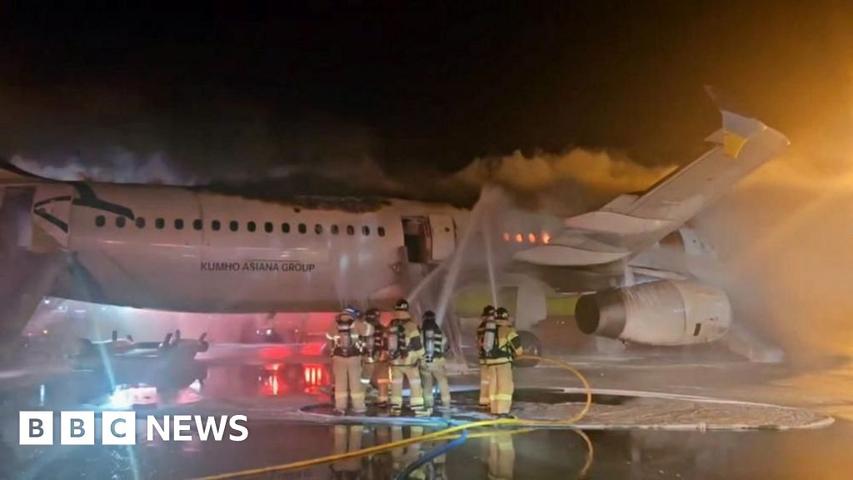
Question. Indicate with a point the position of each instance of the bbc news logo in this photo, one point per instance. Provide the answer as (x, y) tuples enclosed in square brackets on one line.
[(120, 428)]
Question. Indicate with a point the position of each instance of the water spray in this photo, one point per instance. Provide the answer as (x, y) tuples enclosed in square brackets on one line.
[(487, 240), (487, 194)]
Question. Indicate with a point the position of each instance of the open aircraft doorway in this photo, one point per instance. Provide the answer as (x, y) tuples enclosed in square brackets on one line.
[(429, 238)]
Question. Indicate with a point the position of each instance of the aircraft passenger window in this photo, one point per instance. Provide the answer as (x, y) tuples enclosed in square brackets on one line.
[(350, 230), (197, 224), (215, 225), (120, 222), (365, 230), (302, 228), (179, 224), (335, 230), (100, 221), (234, 225), (381, 231), (285, 227), (140, 222), (268, 227), (318, 229), (251, 226), (159, 223)]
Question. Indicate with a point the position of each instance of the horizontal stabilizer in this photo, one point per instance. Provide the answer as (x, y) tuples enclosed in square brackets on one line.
[(11, 175)]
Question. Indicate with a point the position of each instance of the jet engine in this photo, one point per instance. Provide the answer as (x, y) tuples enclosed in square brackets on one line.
[(663, 312)]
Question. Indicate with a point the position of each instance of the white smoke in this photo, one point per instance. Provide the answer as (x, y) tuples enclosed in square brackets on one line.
[(784, 243)]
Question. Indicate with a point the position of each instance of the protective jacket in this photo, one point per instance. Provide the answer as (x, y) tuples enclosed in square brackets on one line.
[(403, 338), (506, 345)]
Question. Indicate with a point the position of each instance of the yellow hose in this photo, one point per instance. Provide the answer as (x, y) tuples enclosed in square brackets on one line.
[(438, 435)]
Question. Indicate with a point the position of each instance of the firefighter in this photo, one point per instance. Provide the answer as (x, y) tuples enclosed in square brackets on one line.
[(502, 346), (401, 457), (501, 457), (347, 439), (346, 363), (488, 315), (433, 364), (403, 339), (376, 368)]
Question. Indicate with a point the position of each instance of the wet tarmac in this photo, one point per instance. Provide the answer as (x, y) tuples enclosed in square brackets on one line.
[(556, 454), (270, 391)]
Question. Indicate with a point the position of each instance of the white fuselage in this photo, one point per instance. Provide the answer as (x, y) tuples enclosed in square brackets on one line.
[(192, 250)]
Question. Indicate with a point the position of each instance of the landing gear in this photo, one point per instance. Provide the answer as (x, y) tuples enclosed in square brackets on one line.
[(532, 346)]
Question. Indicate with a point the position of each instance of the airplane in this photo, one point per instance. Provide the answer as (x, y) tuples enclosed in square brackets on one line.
[(196, 249)]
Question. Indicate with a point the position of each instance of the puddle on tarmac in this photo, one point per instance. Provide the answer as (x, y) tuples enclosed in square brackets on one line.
[(539, 454)]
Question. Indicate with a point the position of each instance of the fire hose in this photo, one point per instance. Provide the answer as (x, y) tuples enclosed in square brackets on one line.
[(441, 434)]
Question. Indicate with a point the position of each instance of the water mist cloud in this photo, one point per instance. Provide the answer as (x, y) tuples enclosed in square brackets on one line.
[(783, 239)]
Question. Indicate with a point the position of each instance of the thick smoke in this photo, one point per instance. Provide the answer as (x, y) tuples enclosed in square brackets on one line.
[(124, 167), (74, 132)]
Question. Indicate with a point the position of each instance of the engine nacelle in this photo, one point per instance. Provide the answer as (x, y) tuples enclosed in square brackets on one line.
[(663, 312)]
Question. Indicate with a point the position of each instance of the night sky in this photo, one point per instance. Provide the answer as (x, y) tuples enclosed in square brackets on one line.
[(416, 88)]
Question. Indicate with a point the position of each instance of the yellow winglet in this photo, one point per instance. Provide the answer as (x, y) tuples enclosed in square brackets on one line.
[(733, 143)]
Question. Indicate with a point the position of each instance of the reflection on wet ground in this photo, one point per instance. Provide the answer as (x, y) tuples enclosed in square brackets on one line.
[(555, 454)]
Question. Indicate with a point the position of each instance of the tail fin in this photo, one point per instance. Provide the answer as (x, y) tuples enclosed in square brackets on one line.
[(742, 145), (10, 175), (630, 223)]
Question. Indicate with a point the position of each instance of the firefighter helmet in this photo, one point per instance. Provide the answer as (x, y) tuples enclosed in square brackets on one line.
[(372, 314), (502, 314), (429, 321), (488, 311), (353, 312), (402, 305)]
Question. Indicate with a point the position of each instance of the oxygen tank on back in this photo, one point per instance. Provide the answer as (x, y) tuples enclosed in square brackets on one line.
[(429, 344), (490, 336), (344, 340), (392, 339)]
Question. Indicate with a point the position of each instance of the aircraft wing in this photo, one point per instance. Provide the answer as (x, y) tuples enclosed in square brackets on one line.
[(631, 223)]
